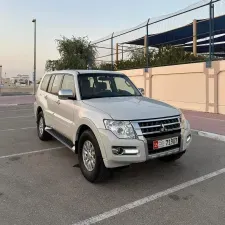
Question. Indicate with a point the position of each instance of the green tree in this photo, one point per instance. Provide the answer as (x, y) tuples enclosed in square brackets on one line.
[(105, 66), (75, 53), (165, 55), (171, 55)]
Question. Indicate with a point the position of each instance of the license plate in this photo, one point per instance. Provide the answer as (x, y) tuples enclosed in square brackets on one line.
[(165, 143)]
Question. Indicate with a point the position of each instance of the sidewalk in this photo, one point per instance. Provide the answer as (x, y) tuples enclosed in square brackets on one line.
[(208, 122)]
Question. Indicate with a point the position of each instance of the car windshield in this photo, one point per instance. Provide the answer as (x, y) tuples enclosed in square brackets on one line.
[(105, 85)]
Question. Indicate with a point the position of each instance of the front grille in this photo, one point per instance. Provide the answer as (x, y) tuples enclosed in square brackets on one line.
[(159, 126)]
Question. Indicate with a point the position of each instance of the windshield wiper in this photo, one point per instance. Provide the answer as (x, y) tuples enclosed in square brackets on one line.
[(112, 96), (92, 97)]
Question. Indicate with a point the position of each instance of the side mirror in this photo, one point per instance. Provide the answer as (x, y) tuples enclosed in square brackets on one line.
[(142, 90), (65, 94)]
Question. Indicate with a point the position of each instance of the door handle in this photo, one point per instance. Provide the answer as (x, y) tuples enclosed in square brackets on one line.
[(46, 96), (58, 102)]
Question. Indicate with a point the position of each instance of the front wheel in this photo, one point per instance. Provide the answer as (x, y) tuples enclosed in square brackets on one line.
[(90, 158), (42, 134), (171, 158)]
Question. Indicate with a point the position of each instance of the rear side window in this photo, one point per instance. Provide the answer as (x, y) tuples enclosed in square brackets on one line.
[(44, 83), (50, 83), (56, 84), (68, 83)]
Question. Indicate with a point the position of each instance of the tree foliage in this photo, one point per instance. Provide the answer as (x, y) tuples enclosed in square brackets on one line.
[(163, 56), (78, 53), (75, 53)]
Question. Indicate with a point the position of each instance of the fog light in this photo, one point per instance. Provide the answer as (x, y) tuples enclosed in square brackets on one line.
[(188, 138), (124, 150), (117, 150)]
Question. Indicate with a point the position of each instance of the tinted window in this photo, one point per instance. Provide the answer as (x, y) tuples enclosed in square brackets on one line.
[(56, 84), (123, 86), (44, 83), (68, 83), (50, 83), (106, 85)]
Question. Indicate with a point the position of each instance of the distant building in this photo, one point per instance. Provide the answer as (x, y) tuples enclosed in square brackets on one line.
[(6, 81), (21, 79)]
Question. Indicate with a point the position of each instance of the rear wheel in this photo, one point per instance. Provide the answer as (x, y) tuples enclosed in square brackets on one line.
[(42, 134), (172, 158), (90, 158)]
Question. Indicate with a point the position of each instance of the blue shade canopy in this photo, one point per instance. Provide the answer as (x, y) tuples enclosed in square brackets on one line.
[(200, 42), (205, 48), (220, 54), (183, 34)]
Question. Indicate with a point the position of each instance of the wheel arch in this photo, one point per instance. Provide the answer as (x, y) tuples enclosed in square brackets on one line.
[(80, 130), (88, 124)]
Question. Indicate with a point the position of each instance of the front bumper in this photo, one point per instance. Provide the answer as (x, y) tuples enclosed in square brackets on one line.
[(109, 141)]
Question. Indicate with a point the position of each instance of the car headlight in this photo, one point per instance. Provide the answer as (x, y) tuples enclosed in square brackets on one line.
[(122, 129)]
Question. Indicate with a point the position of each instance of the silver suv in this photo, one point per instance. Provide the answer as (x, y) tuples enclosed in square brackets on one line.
[(106, 120)]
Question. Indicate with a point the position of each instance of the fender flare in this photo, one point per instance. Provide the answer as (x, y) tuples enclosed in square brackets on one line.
[(87, 122)]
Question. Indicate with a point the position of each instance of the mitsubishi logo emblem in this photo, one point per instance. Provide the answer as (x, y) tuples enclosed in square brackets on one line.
[(163, 128)]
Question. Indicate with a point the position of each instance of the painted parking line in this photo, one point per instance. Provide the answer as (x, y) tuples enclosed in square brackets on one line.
[(15, 117), (148, 199), (23, 128), (8, 105), (16, 110), (31, 152)]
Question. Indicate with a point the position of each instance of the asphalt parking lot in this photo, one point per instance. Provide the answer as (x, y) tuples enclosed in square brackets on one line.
[(40, 183)]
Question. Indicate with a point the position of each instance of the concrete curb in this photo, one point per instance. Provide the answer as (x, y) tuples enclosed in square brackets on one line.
[(214, 136)]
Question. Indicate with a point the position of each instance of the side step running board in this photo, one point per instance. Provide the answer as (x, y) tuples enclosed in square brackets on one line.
[(65, 141)]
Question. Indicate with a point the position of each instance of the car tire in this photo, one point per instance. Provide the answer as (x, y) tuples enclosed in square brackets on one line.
[(90, 158), (42, 134), (172, 158)]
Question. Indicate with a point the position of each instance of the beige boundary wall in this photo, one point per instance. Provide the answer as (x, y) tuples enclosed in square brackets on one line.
[(186, 86)]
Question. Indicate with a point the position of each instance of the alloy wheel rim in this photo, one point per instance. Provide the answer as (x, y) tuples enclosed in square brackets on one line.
[(88, 154), (41, 126)]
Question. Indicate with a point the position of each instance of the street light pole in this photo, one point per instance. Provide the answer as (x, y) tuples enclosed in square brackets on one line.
[(34, 73), (0, 80)]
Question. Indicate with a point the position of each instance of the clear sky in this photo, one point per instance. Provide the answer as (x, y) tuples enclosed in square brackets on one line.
[(95, 19)]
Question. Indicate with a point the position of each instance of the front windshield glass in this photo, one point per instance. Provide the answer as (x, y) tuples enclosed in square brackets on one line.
[(105, 85)]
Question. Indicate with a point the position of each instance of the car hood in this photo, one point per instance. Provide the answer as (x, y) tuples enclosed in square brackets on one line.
[(133, 108)]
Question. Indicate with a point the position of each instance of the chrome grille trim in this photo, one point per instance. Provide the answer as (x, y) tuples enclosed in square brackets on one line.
[(165, 124), (152, 126), (157, 132), (158, 119)]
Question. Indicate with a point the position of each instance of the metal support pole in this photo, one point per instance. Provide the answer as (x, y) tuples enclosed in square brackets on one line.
[(195, 37), (34, 75), (122, 52), (212, 8), (146, 50), (112, 66), (210, 31), (117, 52), (147, 55), (0, 80)]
